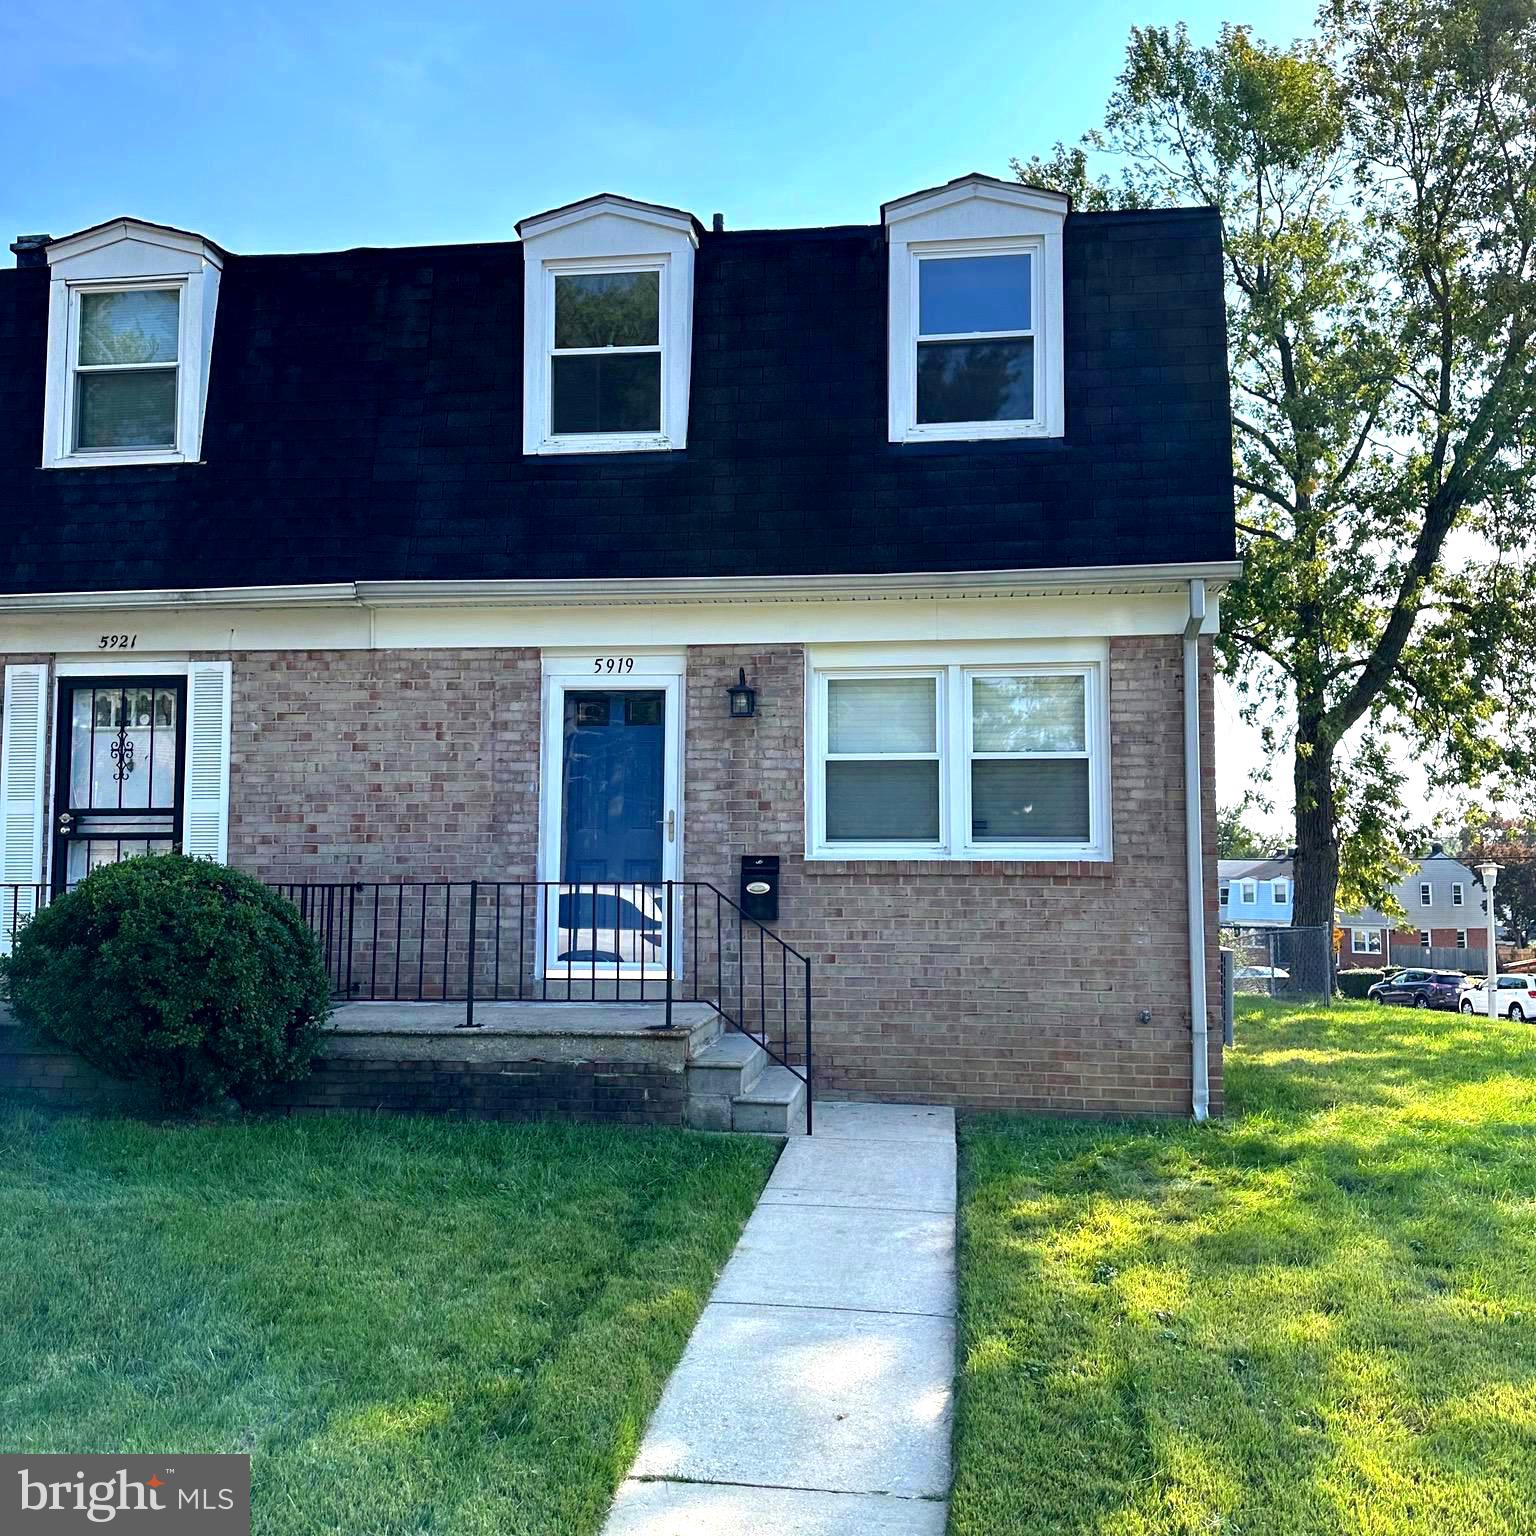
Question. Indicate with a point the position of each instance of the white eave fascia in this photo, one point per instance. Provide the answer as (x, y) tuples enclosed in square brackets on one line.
[(655, 214), (66, 247), (1071, 581), (969, 188), (202, 597)]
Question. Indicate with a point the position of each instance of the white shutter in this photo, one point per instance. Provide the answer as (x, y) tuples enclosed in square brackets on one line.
[(205, 821), (23, 758)]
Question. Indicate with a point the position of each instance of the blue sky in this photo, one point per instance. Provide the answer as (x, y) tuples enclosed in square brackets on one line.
[(307, 126)]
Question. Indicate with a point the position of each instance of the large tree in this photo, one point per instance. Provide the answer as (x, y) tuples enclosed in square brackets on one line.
[(1377, 186)]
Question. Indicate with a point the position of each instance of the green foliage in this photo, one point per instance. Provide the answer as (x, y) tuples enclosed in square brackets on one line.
[(1234, 838), (184, 974), (1511, 843), (1316, 1317), (1377, 186), (413, 1327), (1356, 983)]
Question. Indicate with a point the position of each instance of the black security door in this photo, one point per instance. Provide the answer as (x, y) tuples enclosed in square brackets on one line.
[(118, 774)]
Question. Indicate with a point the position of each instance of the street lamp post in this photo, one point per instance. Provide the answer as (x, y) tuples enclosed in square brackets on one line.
[(1490, 873)]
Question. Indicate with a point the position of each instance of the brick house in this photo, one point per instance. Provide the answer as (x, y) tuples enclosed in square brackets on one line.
[(1446, 923), (379, 567)]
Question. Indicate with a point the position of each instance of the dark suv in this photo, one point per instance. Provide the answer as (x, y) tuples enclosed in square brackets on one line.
[(1420, 989)]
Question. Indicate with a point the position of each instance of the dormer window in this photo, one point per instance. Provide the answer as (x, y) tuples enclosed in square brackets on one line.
[(975, 342), (976, 312), (130, 334), (607, 327), (126, 343), (606, 353)]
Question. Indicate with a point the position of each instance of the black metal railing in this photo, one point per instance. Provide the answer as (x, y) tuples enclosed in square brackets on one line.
[(474, 942)]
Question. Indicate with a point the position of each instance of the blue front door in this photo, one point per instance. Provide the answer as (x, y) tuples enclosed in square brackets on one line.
[(613, 800)]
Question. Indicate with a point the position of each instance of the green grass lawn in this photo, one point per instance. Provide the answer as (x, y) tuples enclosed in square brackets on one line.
[(1316, 1316), (411, 1326)]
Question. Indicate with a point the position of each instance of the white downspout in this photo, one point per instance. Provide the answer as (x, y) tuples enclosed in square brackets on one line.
[(1194, 860)]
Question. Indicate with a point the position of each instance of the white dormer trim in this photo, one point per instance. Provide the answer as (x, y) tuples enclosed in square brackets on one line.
[(608, 234), (976, 215), (112, 257)]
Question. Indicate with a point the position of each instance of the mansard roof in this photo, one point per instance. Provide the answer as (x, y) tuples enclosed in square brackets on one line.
[(364, 407)]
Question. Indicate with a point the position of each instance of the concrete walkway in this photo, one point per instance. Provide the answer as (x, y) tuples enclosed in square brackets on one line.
[(814, 1396)]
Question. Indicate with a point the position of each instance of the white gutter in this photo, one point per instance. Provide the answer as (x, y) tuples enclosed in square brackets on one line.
[(1095, 580), (1194, 858)]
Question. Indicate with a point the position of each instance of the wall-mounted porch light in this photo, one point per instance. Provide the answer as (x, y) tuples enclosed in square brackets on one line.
[(743, 697)]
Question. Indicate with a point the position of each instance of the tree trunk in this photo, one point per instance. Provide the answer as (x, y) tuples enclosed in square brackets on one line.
[(1317, 864)]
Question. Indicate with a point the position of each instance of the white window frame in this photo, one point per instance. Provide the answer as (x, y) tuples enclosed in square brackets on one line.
[(602, 442), (164, 453), (123, 255), (1426, 894), (979, 216), (1248, 893), (1458, 894), (608, 234), (1281, 891), (1224, 893), (1365, 941), (1461, 938), (1032, 246), (953, 726), (1426, 939)]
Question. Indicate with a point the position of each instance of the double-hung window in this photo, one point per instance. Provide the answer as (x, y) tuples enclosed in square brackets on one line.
[(1365, 941), (1426, 939), (974, 350), (1461, 938), (958, 761), (1282, 892), (1249, 893), (605, 353), (124, 364), (1458, 894), (1426, 894)]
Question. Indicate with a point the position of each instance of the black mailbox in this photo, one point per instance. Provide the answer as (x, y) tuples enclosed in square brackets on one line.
[(760, 886)]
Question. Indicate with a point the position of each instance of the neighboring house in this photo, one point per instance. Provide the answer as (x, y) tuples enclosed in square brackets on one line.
[(437, 564), (1446, 923), (1255, 893)]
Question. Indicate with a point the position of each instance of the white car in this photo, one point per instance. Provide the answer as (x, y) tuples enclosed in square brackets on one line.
[(1517, 997)]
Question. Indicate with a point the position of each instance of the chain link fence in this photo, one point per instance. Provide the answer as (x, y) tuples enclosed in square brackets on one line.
[(1292, 963)]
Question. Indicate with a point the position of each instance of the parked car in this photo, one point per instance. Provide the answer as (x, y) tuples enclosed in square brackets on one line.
[(1517, 997), (1420, 989)]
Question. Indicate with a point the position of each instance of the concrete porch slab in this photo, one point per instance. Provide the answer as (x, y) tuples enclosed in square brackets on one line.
[(792, 1397), (916, 1175), (721, 1509), (621, 1033), (830, 1256), (522, 1018)]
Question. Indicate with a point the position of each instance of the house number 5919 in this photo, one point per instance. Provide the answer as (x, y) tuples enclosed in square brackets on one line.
[(611, 666), (117, 642)]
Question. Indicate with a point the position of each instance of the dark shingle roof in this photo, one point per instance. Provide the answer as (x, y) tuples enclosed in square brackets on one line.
[(364, 421)]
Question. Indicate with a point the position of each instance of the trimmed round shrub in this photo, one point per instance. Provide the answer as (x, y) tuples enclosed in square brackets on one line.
[(1358, 983), (177, 972)]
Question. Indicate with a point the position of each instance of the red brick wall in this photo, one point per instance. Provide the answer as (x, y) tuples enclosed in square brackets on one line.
[(987, 984), (420, 765)]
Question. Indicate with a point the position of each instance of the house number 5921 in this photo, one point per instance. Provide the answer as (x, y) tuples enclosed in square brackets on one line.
[(611, 666), (117, 642)]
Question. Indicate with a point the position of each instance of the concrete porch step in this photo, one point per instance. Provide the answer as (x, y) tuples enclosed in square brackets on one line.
[(775, 1103), (728, 1064)]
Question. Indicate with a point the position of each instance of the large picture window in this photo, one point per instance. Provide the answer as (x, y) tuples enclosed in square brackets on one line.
[(958, 761)]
